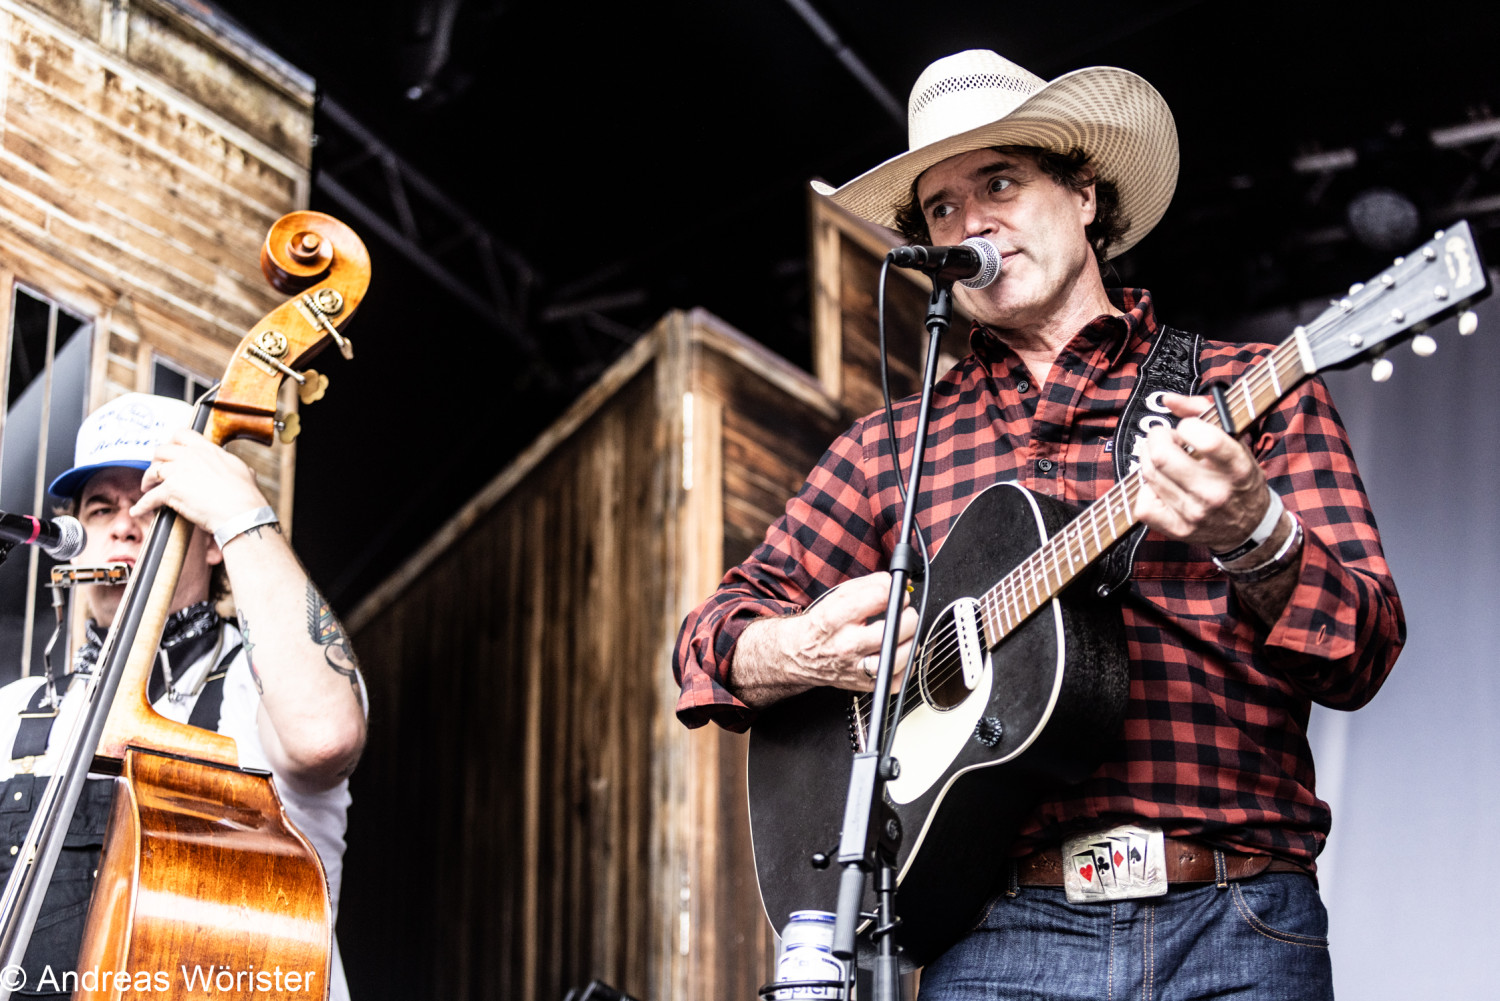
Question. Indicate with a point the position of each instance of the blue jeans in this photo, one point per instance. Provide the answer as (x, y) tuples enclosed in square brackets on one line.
[(1264, 939)]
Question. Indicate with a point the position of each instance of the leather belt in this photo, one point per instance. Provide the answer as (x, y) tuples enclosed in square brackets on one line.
[(1188, 862)]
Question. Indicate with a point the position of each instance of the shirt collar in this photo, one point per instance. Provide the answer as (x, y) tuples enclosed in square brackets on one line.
[(1108, 333)]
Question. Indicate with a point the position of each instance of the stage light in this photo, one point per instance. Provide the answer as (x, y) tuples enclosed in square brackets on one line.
[(1383, 219)]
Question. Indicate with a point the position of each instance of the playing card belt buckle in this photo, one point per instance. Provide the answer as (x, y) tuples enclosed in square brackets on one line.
[(1121, 863)]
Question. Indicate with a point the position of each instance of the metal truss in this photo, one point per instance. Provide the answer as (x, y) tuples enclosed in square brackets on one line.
[(389, 197)]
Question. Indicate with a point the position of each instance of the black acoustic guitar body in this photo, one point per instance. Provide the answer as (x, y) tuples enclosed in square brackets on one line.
[(974, 761)]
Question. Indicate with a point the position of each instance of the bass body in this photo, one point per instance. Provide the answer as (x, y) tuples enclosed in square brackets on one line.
[(977, 748)]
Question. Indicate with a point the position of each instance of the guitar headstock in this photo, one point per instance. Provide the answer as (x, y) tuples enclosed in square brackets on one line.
[(1438, 279)]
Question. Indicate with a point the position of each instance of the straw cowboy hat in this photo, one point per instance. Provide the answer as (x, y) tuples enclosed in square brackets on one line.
[(978, 98)]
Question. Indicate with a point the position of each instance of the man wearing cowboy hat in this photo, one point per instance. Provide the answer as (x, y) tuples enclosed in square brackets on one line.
[(1259, 588), (281, 680)]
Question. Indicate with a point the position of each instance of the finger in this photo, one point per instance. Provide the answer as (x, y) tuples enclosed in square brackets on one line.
[(150, 501), (1210, 444), (907, 626), (870, 593), (1162, 503), (188, 438), (1187, 406), (872, 636)]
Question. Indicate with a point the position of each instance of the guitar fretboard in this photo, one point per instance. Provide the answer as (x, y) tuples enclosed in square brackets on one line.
[(1044, 574)]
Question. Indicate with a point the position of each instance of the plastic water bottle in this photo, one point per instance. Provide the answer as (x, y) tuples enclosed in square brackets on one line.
[(807, 954)]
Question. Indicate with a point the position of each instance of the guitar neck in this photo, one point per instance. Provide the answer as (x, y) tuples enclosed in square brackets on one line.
[(1044, 574)]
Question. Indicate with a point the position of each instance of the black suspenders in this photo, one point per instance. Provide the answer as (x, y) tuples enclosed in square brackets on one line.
[(35, 728)]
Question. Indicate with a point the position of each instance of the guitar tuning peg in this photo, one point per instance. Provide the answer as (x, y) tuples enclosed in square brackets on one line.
[(1382, 369), (1423, 346), (288, 427), (1468, 322), (314, 385)]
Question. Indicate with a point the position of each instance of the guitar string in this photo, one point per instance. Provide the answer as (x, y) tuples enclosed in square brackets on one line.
[(1001, 600), (1045, 564), (1038, 566)]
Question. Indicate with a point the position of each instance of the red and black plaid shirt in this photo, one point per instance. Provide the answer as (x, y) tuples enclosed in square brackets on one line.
[(1215, 739)]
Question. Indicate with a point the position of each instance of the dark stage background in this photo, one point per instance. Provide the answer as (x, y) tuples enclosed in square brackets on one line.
[(627, 159)]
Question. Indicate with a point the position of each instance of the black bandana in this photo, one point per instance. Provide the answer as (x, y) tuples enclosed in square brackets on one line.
[(189, 634)]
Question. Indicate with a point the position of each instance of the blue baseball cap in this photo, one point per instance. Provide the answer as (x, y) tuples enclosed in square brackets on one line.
[(124, 432)]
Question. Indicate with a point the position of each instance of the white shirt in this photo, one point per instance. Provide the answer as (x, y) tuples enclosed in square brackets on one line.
[(322, 817)]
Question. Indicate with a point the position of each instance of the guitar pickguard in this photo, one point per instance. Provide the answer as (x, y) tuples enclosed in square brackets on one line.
[(928, 739)]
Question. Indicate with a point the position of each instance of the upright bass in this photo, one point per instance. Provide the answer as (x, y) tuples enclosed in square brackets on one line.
[(201, 868)]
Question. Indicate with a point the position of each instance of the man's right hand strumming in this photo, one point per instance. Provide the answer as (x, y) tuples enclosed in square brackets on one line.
[(834, 643)]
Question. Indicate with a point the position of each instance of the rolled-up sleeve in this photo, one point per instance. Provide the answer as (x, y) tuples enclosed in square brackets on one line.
[(825, 536)]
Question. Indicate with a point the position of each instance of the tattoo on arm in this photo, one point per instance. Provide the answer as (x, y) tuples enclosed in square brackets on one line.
[(250, 661), (325, 630), (274, 526)]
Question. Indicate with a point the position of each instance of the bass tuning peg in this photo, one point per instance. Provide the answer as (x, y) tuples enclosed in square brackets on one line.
[(314, 385), (288, 427)]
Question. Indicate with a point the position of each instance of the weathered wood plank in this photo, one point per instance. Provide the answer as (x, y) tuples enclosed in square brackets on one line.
[(627, 856)]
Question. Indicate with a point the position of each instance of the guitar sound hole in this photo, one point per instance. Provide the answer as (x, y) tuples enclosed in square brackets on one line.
[(943, 676)]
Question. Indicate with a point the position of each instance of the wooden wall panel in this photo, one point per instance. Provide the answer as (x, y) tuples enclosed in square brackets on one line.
[(509, 684), (519, 668)]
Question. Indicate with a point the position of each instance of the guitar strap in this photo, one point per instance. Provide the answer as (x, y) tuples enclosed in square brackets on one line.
[(1171, 366)]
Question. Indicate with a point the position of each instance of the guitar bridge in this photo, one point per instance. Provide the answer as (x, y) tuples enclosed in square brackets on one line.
[(966, 625)]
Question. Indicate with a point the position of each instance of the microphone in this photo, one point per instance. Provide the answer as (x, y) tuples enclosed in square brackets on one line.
[(61, 538), (975, 263)]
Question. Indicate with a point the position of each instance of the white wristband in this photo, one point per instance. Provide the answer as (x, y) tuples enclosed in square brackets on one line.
[(243, 522), (1268, 523), (1261, 532)]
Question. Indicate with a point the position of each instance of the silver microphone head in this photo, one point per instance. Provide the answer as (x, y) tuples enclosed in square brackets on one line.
[(70, 539), (989, 255)]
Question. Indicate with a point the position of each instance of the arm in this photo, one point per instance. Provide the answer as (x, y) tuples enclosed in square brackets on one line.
[(834, 643), (755, 640), (1331, 621), (312, 715)]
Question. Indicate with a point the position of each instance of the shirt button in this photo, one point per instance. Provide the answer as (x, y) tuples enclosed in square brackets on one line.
[(1045, 465), (1023, 386)]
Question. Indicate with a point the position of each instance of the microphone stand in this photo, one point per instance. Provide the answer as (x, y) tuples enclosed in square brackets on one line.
[(871, 833)]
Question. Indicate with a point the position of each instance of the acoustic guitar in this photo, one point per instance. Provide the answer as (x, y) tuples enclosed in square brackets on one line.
[(1019, 684)]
